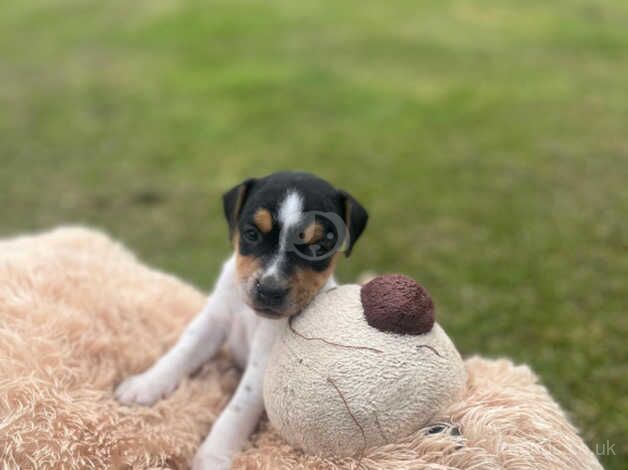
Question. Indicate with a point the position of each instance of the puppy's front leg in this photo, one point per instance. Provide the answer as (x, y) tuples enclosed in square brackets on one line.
[(237, 421), (198, 343)]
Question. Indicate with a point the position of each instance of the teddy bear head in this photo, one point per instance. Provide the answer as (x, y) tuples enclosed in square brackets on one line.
[(361, 366)]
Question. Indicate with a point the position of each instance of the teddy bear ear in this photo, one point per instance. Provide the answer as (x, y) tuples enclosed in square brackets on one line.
[(397, 304)]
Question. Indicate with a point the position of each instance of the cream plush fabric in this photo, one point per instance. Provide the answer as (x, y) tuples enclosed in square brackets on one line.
[(335, 385), (78, 313)]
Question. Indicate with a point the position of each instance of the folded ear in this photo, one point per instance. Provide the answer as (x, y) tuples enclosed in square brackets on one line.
[(355, 218), (233, 201)]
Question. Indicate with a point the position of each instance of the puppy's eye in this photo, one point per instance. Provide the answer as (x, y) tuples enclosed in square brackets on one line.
[(251, 235)]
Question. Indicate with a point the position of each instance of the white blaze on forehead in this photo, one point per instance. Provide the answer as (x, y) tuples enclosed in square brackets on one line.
[(290, 210), (289, 214)]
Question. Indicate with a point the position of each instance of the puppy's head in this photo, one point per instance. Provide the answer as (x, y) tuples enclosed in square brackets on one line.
[(288, 230)]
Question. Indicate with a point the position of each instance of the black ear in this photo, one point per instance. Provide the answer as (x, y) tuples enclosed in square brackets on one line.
[(233, 201), (355, 218)]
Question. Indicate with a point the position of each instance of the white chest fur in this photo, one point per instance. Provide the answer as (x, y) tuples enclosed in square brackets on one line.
[(225, 319)]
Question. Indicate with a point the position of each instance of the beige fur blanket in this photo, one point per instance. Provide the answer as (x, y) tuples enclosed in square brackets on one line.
[(78, 313)]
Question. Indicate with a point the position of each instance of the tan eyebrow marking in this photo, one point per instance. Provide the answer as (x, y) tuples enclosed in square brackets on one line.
[(313, 233), (264, 220)]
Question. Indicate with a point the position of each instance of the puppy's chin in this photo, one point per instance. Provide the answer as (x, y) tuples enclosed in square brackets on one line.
[(268, 313), (273, 313)]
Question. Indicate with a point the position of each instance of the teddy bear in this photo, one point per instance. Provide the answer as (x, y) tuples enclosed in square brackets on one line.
[(362, 366)]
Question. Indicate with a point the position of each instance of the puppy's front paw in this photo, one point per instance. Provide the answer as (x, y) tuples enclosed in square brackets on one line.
[(204, 460), (144, 389)]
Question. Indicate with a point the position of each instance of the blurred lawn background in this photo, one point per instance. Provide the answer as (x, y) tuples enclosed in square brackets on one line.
[(488, 139)]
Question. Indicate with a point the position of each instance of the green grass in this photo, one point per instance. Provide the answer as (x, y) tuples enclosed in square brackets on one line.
[(488, 140)]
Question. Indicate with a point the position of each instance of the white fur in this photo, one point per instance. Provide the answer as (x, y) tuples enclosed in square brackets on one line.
[(290, 209), (289, 214), (248, 336)]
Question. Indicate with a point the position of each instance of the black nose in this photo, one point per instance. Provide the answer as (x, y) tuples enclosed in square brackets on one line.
[(270, 294)]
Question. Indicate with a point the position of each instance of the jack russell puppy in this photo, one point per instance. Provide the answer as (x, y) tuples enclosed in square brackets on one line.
[(288, 230)]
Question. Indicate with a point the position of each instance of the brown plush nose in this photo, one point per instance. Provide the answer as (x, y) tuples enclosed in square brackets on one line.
[(398, 304)]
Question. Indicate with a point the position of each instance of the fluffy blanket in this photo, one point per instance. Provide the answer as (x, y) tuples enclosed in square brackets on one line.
[(78, 312)]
